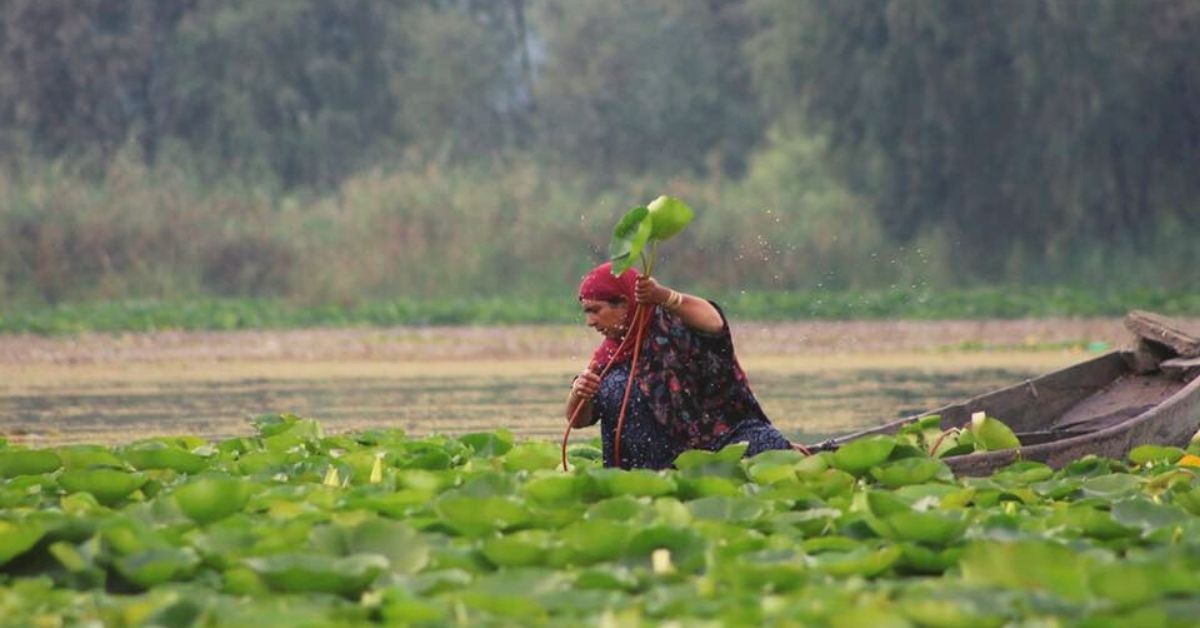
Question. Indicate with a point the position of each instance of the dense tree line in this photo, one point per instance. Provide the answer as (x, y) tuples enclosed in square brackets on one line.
[(1011, 125)]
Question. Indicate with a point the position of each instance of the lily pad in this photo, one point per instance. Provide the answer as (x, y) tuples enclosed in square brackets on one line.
[(668, 216), (858, 456), (18, 537), (318, 573), (520, 549), (1155, 453), (151, 567), (16, 462), (159, 455), (108, 486), (991, 434), (908, 471), (629, 239), (212, 498), (635, 482)]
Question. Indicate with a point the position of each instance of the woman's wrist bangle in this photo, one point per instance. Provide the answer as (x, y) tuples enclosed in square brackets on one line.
[(674, 300)]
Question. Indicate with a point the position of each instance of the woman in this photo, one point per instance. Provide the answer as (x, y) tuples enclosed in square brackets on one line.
[(688, 392)]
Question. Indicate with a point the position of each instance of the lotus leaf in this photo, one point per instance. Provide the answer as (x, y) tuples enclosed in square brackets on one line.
[(928, 560), (668, 216), (810, 523), (530, 456), (18, 537), (930, 527), (525, 548), (620, 508), (86, 456), (858, 562), (403, 547), (635, 482), (159, 455), (1142, 513), (1155, 453), (595, 540), (554, 487), (108, 486), (489, 444), (858, 456), (1028, 565), (686, 546), (211, 498), (300, 573), (629, 239), (911, 470), (991, 434), (155, 566), (1112, 486), (16, 462), (734, 509), (399, 607), (700, 458), (708, 486), (477, 516), (948, 611)]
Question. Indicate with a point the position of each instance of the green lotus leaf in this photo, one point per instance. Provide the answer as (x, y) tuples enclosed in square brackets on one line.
[(489, 444), (629, 239), (1142, 513), (831, 543), (554, 487), (705, 486), (525, 548), (1112, 486), (991, 434), (907, 471), (621, 508), (159, 455), (1188, 499), (18, 537), (211, 498), (108, 486), (929, 560), (1028, 565), (86, 456), (668, 216), (606, 577), (858, 456), (255, 462), (154, 566), (704, 459), (765, 474), (532, 455), (635, 482), (858, 562), (400, 607), (814, 465), (948, 611), (594, 540), (931, 527), (810, 523), (685, 546), (403, 547), (474, 516), (733, 509), (317, 573), (1155, 453), (16, 462)]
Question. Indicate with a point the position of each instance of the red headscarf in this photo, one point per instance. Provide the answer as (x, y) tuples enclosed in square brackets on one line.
[(601, 285)]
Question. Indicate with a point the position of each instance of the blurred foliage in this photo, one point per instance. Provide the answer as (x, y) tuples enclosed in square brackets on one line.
[(349, 152)]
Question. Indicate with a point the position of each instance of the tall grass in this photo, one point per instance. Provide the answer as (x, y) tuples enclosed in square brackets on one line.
[(510, 231)]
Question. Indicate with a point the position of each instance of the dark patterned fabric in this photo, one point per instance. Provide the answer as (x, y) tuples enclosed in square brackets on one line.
[(689, 393)]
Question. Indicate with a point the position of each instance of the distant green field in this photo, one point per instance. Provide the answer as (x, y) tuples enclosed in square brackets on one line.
[(227, 314)]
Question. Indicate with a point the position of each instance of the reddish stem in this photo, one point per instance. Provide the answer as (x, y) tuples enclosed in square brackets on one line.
[(640, 324), (579, 407)]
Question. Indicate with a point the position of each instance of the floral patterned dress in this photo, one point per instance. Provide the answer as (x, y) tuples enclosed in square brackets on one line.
[(689, 392)]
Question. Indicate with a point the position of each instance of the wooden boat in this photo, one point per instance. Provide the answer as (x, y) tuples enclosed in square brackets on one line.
[(1106, 406)]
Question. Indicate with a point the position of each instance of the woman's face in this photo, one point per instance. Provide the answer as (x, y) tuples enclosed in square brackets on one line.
[(606, 318)]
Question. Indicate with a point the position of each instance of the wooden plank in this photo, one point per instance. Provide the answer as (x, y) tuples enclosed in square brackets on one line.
[(1160, 329), (1181, 368)]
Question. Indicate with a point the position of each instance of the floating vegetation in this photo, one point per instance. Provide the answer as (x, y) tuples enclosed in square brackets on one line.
[(294, 526)]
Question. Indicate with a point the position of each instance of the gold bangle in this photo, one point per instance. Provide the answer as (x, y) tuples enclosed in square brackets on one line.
[(674, 300)]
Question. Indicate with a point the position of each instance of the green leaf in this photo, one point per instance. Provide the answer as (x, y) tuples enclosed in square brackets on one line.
[(318, 573), (1028, 565), (18, 537), (154, 566), (1155, 453), (991, 434), (15, 462), (908, 471), (858, 456), (159, 455), (628, 240), (212, 498), (668, 216), (108, 486)]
